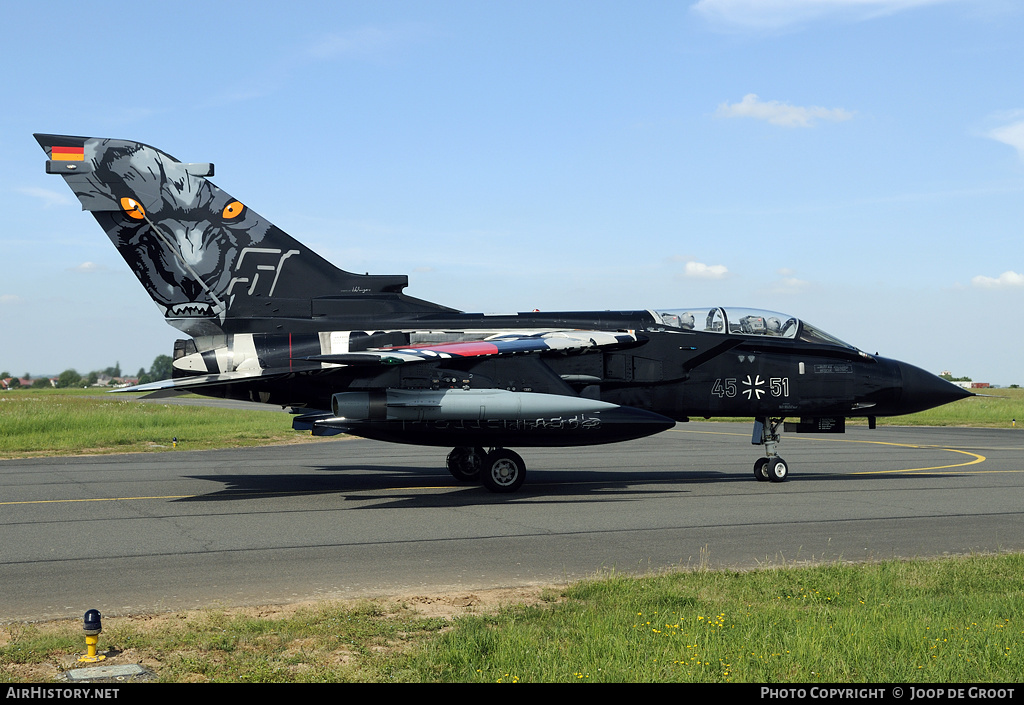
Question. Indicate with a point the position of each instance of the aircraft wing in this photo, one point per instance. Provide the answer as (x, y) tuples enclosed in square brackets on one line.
[(504, 344), (185, 385)]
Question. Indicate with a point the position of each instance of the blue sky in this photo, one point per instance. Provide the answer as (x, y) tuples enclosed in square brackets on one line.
[(857, 163)]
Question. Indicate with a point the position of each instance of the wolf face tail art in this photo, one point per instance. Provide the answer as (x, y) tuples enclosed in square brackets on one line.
[(205, 257)]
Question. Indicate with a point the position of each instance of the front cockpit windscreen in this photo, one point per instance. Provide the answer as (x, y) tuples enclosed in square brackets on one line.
[(746, 321)]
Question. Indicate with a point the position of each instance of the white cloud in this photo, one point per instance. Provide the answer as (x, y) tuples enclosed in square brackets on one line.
[(88, 268), (48, 197), (1012, 134), (9, 299), (700, 270), (1003, 280), (781, 114), (789, 283), (778, 14)]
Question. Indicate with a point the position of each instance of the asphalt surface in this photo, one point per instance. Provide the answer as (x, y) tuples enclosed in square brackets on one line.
[(345, 518)]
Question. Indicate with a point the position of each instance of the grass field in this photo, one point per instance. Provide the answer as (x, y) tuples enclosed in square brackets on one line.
[(956, 620), (75, 422)]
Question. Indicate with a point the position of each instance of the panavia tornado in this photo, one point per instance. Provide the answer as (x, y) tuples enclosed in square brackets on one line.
[(271, 321)]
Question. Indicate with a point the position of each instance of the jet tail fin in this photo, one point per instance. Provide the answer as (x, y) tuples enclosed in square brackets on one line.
[(212, 264)]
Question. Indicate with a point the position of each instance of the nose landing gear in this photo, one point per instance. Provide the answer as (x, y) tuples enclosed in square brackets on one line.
[(771, 468)]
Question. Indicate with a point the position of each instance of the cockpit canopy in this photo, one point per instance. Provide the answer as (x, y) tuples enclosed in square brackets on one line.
[(746, 321)]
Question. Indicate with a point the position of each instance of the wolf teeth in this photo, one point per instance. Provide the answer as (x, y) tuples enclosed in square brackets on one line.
[(191, 309)]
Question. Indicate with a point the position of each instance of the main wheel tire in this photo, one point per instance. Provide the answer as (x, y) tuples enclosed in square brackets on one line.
[(777, 470), (504, 471), (761, 470), (465, 463)]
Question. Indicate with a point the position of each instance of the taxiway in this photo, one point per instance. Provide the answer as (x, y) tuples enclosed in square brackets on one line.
[(347, 518)]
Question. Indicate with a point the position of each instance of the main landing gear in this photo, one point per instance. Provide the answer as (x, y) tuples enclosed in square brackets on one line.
[(501, 470), (771, 468)]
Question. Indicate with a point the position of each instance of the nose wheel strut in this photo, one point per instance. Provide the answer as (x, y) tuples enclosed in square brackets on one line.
[(771, 468)]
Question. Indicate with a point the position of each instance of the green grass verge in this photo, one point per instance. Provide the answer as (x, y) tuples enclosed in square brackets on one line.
[(73, 422), (935, 621), (945, 621)]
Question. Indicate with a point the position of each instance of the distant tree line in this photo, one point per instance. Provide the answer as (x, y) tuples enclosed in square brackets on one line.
[(161, 369)]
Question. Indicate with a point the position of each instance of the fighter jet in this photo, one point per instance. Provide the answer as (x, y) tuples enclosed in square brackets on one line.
[(271, 321)]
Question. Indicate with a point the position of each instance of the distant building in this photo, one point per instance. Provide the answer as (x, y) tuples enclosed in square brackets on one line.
[(973, 385), (16, 383)]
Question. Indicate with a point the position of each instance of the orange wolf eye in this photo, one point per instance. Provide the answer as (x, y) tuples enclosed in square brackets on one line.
[(132, 208), (232, 210)]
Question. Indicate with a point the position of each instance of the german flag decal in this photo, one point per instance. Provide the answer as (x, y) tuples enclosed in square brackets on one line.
[(68, 154)]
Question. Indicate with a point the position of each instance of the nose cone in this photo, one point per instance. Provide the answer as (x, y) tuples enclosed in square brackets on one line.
[(922, 390)]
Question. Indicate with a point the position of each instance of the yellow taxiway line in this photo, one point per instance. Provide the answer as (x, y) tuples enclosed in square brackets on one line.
[(977, 458)]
